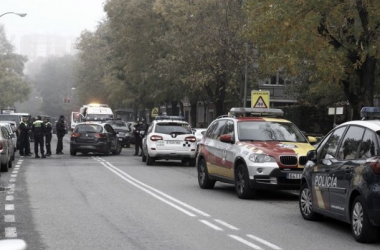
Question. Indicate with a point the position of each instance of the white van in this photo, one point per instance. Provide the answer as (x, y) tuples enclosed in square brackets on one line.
[(91, 112)]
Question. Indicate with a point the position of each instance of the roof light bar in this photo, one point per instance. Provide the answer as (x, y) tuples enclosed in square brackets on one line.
[(164, 117), (370, 113), (256, 112)]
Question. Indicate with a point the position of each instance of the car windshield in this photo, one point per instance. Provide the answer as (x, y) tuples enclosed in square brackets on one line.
[(269, 131), (169, 128), (89, 128), (99, 116)]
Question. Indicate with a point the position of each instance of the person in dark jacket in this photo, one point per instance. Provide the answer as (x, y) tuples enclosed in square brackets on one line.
[(48, 135), (138, 131), (24, 137), (38, 129), (61, 131)]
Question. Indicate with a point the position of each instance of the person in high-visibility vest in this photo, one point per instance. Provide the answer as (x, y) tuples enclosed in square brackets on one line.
[(38, 129)]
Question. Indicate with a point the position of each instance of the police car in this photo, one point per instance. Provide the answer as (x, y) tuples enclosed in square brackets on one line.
[(342, 177), (252, 148), (169, 138)]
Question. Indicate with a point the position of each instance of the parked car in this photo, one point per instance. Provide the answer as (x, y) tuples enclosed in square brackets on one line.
[(123, 132), (253, 149), (341, 180), (199, 132), (169, 138), (5, 146), (94, 137), (11, 128)]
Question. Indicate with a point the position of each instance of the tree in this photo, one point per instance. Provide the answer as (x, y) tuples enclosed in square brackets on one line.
[(335, 42), (14, 87)]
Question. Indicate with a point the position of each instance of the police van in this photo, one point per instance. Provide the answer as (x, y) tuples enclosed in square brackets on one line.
[(342, 177)]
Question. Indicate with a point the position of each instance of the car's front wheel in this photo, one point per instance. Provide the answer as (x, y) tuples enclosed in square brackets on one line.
[(305, 204), (361, 227), (73, 152), (243, 190), (203, 179), (192, 162)]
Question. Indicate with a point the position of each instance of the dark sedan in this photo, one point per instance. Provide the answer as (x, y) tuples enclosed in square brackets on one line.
[(94, 137)]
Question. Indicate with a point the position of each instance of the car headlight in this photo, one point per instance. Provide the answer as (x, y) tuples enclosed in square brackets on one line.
[(261, 158)]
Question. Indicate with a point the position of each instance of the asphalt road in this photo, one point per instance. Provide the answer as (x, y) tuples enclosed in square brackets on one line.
[(117, 202)]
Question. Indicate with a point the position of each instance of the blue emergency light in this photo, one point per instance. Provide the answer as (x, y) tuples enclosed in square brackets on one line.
[(370, 113), (256, 112), (165, 117)]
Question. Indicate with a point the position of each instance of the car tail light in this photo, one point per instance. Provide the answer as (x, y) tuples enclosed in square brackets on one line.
[(156, 138), (100, 135), (191, 139), (1, 145), (374, 164), (75, 135)]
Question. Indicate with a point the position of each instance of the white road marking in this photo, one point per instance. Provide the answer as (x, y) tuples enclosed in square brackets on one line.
[(12, 180), (15, 171), (211, 225), (226, 224), (9, 207), (10, 232), (14, 175), (9, 218), (246, 242), (149, 192), (159, 192), (264, 242), (18, 165), (9, 198)]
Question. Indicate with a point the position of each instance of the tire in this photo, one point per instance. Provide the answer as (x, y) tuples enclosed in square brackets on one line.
[(4, 167), (143, 156), (305, 204), (117, 151), (149, 160), (13, 156), (185, 160), (203, 179), (192, 162), (361, 227), (10, 164), (128, 145), (73, 152), (107, 150), (242, 188), (84, 153)]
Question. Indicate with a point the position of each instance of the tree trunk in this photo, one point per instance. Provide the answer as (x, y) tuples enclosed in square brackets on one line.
[(193, 114), (363, 95), (175, 109)]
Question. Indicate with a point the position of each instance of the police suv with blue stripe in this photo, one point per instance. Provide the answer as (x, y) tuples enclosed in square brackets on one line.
[(342, 177)]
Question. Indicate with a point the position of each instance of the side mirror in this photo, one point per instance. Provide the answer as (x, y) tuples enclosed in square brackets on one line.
[(312, 139), (312, 155), (227, 138)]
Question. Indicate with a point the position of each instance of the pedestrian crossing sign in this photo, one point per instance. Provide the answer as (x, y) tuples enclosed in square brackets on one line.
[(260, 99), (154, 112)]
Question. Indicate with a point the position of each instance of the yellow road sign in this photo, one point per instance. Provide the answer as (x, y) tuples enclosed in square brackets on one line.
[(154, 112), (260, 99)]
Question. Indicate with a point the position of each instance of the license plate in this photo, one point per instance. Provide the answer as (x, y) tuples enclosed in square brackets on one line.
[(173, 142), (293, 176), (160, 143), (120, 139)]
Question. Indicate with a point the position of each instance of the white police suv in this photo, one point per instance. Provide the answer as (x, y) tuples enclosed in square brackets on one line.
[(169, 138), (342, 177)]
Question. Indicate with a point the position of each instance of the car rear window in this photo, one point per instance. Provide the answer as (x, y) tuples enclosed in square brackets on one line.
[(89, 128), (171, 127), (269, 131)]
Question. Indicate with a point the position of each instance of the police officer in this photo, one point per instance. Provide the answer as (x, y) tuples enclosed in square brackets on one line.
[(48, 135), (138, 129), (38, 129), (61, 131), (24, 137)]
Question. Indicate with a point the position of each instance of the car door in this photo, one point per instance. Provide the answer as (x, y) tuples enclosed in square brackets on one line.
[(7, 142), (211, 146), (112, 138), (342, 171), (224, 163), (146, 138), (326, 161)]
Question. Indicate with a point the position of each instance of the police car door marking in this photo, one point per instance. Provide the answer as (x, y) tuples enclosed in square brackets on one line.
[(325, 181)]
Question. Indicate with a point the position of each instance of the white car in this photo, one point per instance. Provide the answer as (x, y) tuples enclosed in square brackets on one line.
[(11, 128), (169, 138)]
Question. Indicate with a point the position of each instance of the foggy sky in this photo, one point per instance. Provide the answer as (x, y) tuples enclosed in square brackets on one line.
[(60, 17)]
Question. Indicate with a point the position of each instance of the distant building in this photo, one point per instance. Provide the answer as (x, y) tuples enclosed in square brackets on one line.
[(35, 45)]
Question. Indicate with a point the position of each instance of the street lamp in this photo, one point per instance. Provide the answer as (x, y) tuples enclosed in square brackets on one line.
[(19, 14)]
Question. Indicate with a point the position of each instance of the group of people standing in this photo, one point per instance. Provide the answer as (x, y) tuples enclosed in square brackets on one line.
[(42, 131)]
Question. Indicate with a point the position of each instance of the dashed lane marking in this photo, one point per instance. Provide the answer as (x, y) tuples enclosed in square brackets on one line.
[(207, 223), (226, 224), (9, 207), (264, 242), (246, 242), (9, 218), (10, 232), (9, 198)]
